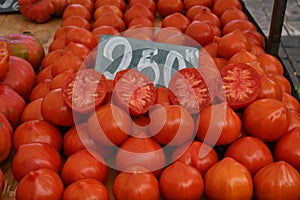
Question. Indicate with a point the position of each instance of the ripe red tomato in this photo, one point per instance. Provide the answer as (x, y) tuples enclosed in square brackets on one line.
[(5, 144), (113, 133), (176, 20), (87, 188), (241, 84), (140, 151), (255, 38), (2, 182), (32, 111), (25, 46), (228, 179), (59, 80), (20, 76), (232, 13), (82, 164), (232, 43), (40, 184), (200, 31), (150, 4), (219, 119), (181, 181), (198, 154), (167, 7), (44, 74), (110, 19), (78, 10), (194, 10), (105, 9), (267, 119), (66, 62), (55, 110), (119, 3), (5, 125), (188, 4), (137, 10), (34, 156), (76, 20), (81, 35), (282, 81), (161, 96), (85, 90), (220, 6), (238, 24), (270, 63), (35, 131), (133, 91), (89, 4), (171, 125), (140, 22), (269, 88), (4, 59), (207, 15), (251, 152), (294, 120), (291, 102), (40, 90), (187, 88), (11, 105), (109, 30), (136, 183), (41, 11), (287, 148), (277, 180), (72, 141)]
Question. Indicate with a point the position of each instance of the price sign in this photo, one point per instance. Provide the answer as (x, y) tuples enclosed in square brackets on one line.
[(157, 60), (9, 6)]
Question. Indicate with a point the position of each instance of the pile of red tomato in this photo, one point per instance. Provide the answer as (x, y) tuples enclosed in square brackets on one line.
[(62, 120)]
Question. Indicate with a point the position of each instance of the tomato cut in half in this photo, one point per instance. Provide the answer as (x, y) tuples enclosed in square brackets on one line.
[(188, 88), (133, 91), (241, 84), (85, 90), (4, 59)]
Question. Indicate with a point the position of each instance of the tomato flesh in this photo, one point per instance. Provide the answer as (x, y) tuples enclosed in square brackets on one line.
[(84, 91), (241, 84), (134, 90), (188, 89)]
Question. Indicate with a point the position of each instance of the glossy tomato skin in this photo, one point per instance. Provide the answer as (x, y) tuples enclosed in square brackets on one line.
[(200, 31), (228, 179), (224, 121), (250, 152), (32, 111), (82, 164), (40, 90), (35, 131), (140, 151), (4, 59), (105, 9), (241, 84), (25, 46), (110, 19), (220, 6), (188, 4), (167, 7), (55, 110), (20, 76), (161, 96), (176, 20), (135, 183), (5, 144), (11, 105), (119, 3), (277, 180), (76, 20), (269, 88), (133, 91), (72, 141), (197, 154), (180, 181), (177, 127), (40, 184), (287, 148), (266, 119), (34, 156), (137, 10), (113, 133), (77, 9), (88, 188)]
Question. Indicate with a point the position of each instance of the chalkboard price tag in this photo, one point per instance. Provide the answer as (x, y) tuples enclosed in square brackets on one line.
[(158, 61), (9, 6)]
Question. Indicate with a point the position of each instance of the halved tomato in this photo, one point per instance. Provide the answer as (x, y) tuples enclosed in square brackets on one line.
[(187, 88), (241, 84), (134, 91), (84, 91)]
